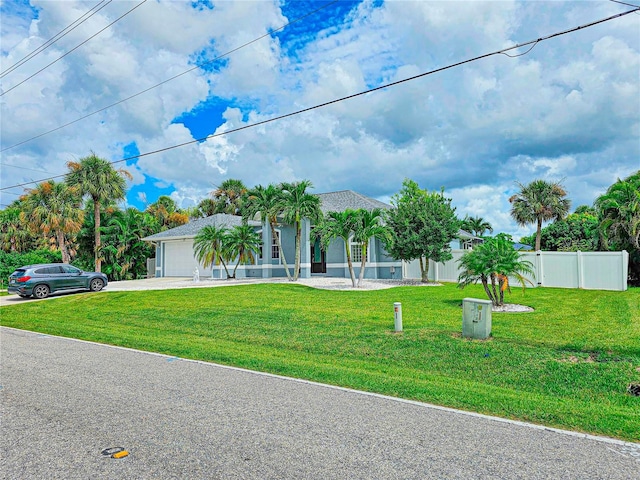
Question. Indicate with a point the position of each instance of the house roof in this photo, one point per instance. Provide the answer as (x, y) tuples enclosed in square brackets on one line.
[(340, 201), (192, 228)]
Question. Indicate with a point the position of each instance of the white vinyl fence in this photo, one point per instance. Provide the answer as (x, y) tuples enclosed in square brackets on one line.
[(588, 270)]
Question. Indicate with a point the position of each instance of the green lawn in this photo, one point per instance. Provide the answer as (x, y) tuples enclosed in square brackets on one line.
[(568, 364)]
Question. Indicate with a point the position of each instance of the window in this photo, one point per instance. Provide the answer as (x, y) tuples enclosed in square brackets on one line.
[(70, 269), (275, 251), (356, 251)]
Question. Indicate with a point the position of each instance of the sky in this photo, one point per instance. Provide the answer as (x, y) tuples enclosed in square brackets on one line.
[(567, 110)]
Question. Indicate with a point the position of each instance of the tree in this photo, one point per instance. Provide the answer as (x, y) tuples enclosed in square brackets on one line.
[(619, 215), (368, 225), (207, 207), (422, 226), (268, 202), (96, 177), (494, 261), (166, 211), (13, 236), (53, 208), (297, 205), (538, 202), (209, 246), (476, 225), (338, 225), (578, 231), (228, 196), (241, 243)]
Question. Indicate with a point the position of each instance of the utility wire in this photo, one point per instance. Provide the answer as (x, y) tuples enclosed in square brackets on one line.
[(73, 49), (381, 87), (56, 37), (174, 77), (22, 168)]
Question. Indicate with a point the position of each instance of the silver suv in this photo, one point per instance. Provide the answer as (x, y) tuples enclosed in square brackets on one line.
[(44, 279)]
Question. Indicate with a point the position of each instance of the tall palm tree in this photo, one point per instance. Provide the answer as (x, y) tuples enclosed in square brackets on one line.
[(228, 196), (338, 225), (619, 212), (476, 225), (494, 261), (538, 202), (96, 177), (209, 246), (54, 208), (368, 225), (297, 205), (241, 243), (268, 203)]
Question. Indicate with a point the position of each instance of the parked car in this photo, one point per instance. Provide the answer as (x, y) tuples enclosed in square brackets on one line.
[(43, 279)]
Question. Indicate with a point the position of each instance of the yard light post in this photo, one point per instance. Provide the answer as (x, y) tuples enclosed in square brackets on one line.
[(397, 316)]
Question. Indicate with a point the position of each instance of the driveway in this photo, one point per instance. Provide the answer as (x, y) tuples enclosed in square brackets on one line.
[(64, 401)]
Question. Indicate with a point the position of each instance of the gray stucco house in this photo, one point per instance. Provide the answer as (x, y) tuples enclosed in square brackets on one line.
[(175, 257)]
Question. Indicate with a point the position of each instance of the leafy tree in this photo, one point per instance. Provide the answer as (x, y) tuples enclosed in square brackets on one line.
[(228, 196), (538, 202), (492, 263), (619, 214), (578, 231), (268, 203), (167, 213), (297, 205), (422, 226), (338, 225), (368, 225), (209, 246), (476, 225), (53, 208), (241, 243), (13, 236), (207, 207), (96, 177)]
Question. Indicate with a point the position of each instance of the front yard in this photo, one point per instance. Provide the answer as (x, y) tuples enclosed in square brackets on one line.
[(568, 364)]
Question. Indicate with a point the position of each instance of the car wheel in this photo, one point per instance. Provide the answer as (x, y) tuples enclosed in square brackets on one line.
[(96, 285), (41, 291)]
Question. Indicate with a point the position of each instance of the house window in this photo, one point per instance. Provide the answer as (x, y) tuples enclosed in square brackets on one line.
[(275, 251), (356, 251)]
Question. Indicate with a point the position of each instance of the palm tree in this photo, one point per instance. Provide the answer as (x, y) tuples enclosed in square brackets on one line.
[(476, 225), (13, 236), (619, 213), (166, 211), (494, 260), (209, 246), (538, 202), (96, 177), (268, 203), (368, 225), (241, 243), (54, 208), (339, 225), (297, 205), (207, 207), (228, 196)]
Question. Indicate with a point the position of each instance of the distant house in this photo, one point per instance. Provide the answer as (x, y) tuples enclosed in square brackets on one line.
[(175, 257)]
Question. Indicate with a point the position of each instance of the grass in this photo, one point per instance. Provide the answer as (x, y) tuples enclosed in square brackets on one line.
[(567, 364)]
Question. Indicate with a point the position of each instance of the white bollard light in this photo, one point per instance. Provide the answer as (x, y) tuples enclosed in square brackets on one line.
[(397, 316)]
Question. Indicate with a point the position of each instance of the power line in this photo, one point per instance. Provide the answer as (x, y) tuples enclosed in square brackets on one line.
[(73, 49), (22, 168), (175, 76), (56, 37), (382, 87)]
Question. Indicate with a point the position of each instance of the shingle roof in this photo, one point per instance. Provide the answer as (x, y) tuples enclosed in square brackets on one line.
[(192, 228), (340, 201)]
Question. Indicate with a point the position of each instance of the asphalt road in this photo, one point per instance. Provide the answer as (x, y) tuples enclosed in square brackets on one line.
[(65, 401)]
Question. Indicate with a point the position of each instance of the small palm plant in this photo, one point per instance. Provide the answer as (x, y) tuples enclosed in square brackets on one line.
[(209, 246), (338, 225), (241, 243), (492, 263)]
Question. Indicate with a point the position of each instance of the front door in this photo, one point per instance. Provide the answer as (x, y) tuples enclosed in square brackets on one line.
[(318, 258)]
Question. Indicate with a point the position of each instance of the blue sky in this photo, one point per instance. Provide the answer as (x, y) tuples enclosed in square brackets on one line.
[(568, 110)]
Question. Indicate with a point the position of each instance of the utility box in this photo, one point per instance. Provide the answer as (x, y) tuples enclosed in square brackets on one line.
[(476, 318)]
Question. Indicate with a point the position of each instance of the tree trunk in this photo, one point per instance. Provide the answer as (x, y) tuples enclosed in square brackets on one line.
[(351, 272), (487, 291), (279, 243), (495, 298), (538, 233), (424, 270), (96, 214), (63, 247), (363, 263), (296, 272)]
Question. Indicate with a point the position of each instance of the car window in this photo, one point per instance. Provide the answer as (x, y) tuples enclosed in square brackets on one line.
[(41, 271), (19, 273), (54, 270), (70, 269)]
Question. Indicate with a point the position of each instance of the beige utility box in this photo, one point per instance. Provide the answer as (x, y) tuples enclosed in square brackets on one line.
[(476, 318)]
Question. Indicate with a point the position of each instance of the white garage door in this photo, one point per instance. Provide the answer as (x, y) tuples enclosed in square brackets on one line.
[(179, 260)]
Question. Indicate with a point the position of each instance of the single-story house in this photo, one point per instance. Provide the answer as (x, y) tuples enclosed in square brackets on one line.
[(175, 256)]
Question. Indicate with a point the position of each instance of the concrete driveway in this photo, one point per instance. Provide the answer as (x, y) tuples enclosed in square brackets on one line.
[(64, 401)]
